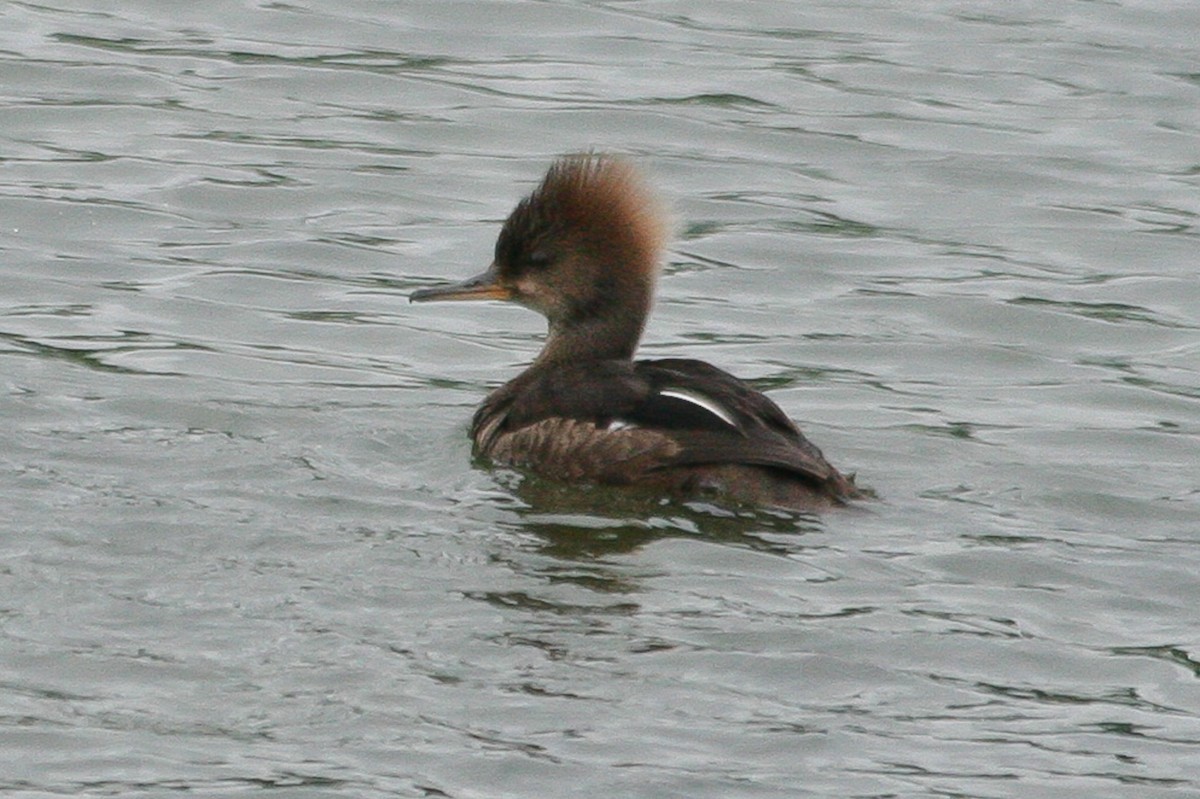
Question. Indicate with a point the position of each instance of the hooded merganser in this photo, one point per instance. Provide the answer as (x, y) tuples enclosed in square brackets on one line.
[(583, 249)]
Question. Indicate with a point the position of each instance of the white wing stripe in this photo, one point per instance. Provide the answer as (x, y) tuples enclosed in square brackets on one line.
[(704, 402)]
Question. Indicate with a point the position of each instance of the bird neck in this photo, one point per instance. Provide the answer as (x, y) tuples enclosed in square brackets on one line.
[(612, 335)]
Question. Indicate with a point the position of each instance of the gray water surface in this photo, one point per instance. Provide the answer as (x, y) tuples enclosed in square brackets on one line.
[(244, 547)]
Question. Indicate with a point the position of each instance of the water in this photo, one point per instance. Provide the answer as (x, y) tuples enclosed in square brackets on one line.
[(245, 549)]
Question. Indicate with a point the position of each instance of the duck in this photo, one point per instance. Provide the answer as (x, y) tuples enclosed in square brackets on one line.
[(585, 249)]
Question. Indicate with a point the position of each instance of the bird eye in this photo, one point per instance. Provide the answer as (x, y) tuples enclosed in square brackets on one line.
[(540, 259)]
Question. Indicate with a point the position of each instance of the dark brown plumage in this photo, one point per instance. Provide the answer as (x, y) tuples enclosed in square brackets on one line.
[(583, 249)]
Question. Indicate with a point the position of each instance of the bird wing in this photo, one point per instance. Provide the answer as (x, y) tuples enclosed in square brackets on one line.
[(598, 418)]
